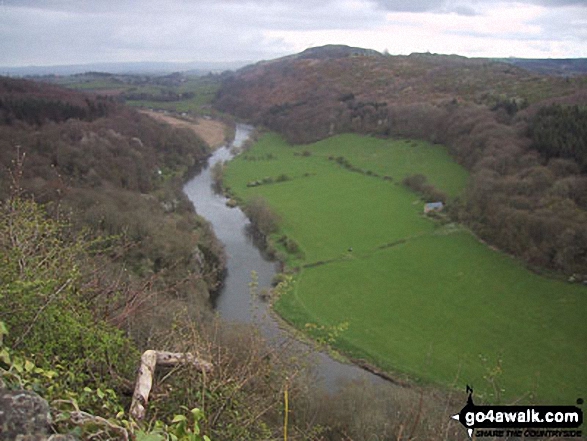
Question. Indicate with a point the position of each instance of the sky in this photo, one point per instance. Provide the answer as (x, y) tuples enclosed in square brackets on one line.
[(63, 32)]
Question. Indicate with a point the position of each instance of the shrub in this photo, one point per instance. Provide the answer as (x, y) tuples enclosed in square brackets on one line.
[(262, 216), (415, 182), (283, 178), (48, 302), (218, 175), (418, 183)]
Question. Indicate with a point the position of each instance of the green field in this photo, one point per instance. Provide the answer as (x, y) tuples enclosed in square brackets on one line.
[(203, 88), (420, 297)]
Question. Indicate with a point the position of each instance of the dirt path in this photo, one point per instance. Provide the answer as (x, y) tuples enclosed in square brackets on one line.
[(209, 130)]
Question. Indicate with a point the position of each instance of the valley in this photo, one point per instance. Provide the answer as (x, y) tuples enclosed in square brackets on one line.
[(418, 296), (349, 147)]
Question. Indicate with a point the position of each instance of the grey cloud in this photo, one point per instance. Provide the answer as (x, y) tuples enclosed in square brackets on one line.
[(282, 14), (442, 6), (464, 10), (557, 3), (50, 32), (463, 7), (410, 5), (75, 31), (559, 25)]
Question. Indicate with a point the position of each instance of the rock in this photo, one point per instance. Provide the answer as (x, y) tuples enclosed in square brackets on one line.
[(23, 415)]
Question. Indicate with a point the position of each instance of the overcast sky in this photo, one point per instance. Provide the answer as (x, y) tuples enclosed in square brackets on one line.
[(53, 32)]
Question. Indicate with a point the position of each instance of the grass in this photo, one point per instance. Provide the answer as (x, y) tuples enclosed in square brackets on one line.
[(419, 297), (205, 91), (442, 306), (204, 88)]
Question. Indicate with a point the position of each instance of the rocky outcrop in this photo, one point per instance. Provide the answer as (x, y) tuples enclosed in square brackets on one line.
[(25, 416)]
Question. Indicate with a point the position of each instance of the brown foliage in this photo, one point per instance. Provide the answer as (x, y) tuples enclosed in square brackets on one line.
[(120, 175)]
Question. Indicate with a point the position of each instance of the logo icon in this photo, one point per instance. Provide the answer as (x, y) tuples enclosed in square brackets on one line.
[(508, 418)]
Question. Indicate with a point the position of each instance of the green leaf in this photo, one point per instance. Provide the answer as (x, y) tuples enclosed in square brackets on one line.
[(178, 418), (50, 374), (197, 413), (142, 436), (29, 366), (17, 365), (3, 330), (5, 356)]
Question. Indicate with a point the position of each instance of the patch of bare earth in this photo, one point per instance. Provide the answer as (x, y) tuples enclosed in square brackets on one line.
[(211, 131)]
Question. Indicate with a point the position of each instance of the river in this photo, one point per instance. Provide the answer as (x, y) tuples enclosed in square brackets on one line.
[(234, 301)]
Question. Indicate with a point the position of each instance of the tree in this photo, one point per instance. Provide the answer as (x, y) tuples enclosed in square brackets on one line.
[(262, 215)]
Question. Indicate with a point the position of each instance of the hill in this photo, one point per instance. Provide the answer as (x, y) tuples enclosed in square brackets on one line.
[(119, 173), (562, 67), (488, 114), (335, 51), (334, 89), (150, 68)]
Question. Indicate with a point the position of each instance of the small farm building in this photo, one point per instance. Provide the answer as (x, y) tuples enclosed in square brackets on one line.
[(433, 206)]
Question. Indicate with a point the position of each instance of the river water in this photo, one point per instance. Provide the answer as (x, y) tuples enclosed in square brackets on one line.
[(234, 301)]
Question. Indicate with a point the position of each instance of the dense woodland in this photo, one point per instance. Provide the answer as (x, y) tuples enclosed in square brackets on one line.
[(116, 171), (521, 135)]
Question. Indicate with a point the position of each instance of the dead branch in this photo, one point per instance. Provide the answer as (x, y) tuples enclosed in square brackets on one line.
[(149, 361)]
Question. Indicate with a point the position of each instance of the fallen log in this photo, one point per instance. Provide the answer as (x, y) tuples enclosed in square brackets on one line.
[(149, 361)]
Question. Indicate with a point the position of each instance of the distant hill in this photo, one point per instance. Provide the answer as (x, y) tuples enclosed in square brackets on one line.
[(151, 68), (563, 67), (334, 89), (336, 51)]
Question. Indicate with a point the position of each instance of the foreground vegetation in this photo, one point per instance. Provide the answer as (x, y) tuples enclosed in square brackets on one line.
[(60, 342), (414, 295)]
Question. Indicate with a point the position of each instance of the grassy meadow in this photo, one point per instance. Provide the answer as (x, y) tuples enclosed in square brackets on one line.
[(416, 296), (203, 88)]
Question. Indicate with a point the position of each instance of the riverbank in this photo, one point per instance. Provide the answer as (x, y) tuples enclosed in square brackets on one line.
[(213, 132), (403, 291), (235, 302), (392, 404)]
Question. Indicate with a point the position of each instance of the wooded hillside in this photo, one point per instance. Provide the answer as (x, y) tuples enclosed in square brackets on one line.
[(116, 171), (525, 197)]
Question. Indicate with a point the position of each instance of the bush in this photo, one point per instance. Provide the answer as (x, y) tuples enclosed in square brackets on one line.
[(418, 183), (262, 216), (415, 182), (218, 175), (49, 303)]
